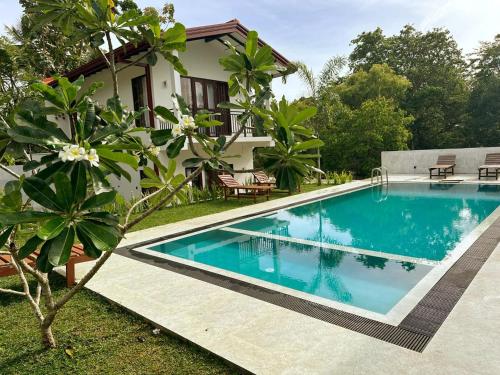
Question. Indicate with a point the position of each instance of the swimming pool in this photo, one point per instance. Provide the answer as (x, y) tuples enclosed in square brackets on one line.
[(367, 249)]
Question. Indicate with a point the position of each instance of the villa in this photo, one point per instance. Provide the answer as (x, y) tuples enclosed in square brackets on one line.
[(204, 88)]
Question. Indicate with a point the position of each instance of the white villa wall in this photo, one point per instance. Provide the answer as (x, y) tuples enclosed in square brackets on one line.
[(201, 60), (419, 161)]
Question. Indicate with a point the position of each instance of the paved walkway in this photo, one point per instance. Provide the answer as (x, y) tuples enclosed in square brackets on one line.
[(268, 339)]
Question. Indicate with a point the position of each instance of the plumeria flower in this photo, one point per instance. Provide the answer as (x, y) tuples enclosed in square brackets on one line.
[(72, 153), (188, 122), (92, 157), (177, 130), (154, 150)]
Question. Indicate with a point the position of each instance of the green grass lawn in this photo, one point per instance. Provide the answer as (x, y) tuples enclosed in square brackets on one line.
[(97, 337)]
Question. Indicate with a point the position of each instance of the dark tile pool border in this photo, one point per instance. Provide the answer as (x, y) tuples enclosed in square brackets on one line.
[(414, 332)]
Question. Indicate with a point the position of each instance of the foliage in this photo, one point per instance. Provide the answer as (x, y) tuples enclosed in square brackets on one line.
[(434, 65), (356, 137), (289, 161), (338, 178), (484, 103)]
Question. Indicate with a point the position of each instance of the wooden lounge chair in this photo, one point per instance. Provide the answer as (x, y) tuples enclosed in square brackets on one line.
[(492, 161), (230, 184), (445, 165), (77, 256), (261, 178)]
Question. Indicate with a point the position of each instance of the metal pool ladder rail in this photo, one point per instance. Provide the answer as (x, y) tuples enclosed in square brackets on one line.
[(378, 174)]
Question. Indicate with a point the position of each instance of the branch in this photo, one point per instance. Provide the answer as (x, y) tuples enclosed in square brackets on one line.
[(179, 187), (191, 146), (9, 171), (141, 201), (10, 291), (135, 61), (100, 262)]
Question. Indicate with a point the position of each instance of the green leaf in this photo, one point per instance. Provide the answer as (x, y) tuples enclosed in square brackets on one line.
[(303, 115), (42, 261), (5, 235), (252, 43), (79, 182), (40, 191), (306, 145), (25, 217), (192, 162), (51, 228), (64, 190), (161, 137), (88, 245), (59, 248), (175, 147), (120, 157), (98, 200), (175, 38), (103, 217), (29, 247), (165, 114), (103, 237)]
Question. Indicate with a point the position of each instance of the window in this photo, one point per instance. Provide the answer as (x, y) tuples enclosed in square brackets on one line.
[(186, 91), (139, 97)]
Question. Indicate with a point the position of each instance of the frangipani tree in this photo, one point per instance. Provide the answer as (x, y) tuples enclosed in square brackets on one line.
[(62, 195)]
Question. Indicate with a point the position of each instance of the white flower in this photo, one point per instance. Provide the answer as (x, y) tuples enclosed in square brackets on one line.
[(177, 130), (188, 122), (154, 150), (72, 153), (92, 157)]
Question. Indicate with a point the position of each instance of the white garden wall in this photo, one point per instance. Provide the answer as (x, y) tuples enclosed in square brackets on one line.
[(419, 161)]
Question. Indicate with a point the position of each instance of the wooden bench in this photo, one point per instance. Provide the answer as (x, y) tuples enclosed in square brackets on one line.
[(492, 161), (445, 165), (77, 256)]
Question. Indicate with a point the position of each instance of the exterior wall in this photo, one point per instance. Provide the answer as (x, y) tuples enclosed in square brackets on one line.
[(419, 161), (201, 60)]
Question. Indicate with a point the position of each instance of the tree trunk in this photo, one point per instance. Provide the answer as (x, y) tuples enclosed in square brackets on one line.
[(48, 339)]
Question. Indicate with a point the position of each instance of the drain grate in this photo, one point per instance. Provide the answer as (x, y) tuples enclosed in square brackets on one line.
[(416, 329)]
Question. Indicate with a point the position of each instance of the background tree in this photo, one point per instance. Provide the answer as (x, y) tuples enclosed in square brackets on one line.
[(434, 65), (484, 103)]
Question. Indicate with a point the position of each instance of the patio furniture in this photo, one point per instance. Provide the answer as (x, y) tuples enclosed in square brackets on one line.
[(77, 256), (261, 178), (230, 184), (492, 161), (445, 165)]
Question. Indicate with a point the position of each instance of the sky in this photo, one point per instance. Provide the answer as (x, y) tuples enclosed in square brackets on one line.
[(315, 30)]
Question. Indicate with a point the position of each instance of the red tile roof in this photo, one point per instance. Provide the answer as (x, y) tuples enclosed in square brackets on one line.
[(193, 33)]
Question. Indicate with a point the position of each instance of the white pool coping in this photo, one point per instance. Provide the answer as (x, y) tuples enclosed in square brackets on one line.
[(397, 313)]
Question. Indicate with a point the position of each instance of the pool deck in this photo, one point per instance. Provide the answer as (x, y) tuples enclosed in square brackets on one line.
[(268, 339)]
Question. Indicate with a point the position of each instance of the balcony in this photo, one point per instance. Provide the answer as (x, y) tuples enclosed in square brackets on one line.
[(230, 125)]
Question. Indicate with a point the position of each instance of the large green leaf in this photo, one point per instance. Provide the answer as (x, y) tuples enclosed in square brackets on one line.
[(175, 147), (5, 235), (252, 43), (88, 246), (60, 247), (120, 157), (165, 114), (98, 200), (103, 237), (64, 190), (51, 228), (79, 182), (29, 247), (174, 38), (161, 137), (40, 191), (42, 261), (307, 145), (102, 217)]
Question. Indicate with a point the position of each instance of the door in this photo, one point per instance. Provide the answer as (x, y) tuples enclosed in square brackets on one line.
[(139, 98), (205, 95)]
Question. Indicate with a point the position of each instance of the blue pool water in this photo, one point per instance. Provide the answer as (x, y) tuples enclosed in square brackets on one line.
[(412, 220)]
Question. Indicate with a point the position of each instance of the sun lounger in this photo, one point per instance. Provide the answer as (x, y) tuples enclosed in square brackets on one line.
[(230, 184), (491, 162), (445, 165)]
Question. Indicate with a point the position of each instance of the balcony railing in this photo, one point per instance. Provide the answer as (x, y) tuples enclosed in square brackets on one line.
[(230, 125)]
